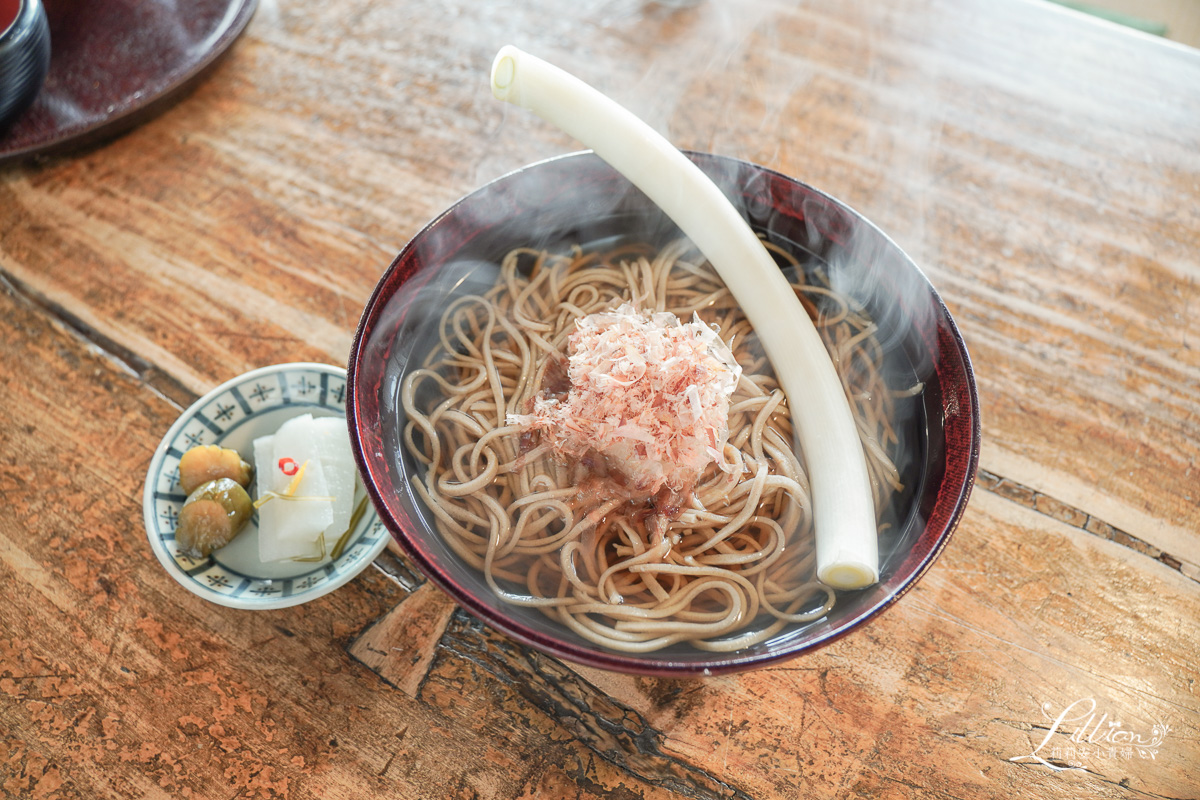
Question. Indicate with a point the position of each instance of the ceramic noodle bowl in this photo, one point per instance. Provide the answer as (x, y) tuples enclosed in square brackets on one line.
[(24, 56), (578, 198)]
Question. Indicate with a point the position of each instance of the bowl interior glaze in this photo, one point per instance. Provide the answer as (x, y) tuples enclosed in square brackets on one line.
[(579, 198)]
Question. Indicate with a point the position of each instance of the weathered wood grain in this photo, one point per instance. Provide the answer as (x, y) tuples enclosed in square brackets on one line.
[(400, 647), (116, 682), (1042, 168)]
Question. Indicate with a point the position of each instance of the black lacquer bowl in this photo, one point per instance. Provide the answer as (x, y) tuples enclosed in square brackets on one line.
[(579, 198), (24, 56)]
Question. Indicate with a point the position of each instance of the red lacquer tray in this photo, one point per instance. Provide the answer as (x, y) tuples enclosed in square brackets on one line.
[(116, 63)]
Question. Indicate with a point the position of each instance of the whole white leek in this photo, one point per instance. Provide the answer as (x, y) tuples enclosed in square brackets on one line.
[(843, 509)]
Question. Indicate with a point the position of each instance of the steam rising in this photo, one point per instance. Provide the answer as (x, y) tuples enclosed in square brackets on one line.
[(551, 205)]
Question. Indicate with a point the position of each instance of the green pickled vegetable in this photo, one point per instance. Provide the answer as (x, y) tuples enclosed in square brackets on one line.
[(212, 515), (208, 462)]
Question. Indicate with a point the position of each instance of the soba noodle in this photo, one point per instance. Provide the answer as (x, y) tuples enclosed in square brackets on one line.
[(729, 566)]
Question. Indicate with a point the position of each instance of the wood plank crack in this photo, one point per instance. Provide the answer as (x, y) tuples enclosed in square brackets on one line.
[(610, 729), (1052, 507), (428, 624), (153, 378)]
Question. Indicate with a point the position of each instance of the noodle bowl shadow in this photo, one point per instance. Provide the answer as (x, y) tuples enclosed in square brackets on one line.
[(579, 198)]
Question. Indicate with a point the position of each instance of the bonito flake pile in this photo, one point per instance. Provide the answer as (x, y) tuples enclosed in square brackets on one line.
[(648, 393)]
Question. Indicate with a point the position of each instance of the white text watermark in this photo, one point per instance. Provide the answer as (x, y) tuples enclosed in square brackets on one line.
[(1081, 731)]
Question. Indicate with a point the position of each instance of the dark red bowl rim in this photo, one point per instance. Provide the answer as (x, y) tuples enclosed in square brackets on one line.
[(946, 512)]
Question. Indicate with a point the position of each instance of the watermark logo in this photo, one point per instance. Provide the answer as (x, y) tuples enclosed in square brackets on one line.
[(1081, 731)]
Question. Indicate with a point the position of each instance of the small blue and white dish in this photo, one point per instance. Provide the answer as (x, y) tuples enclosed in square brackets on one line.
[(233, 415)]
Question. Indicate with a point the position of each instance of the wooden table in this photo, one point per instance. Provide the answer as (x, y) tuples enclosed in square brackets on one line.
[(1042, 167)]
